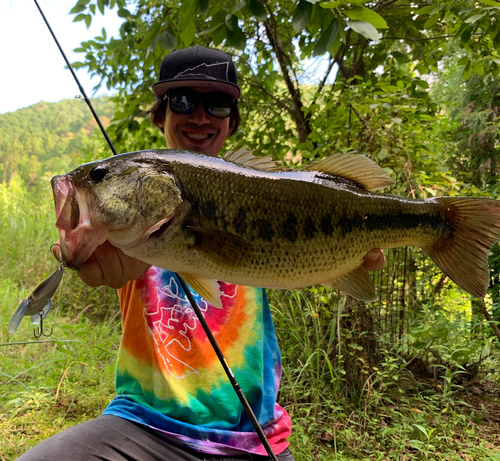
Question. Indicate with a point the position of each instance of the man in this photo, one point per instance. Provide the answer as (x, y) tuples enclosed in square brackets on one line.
[(173, 399)]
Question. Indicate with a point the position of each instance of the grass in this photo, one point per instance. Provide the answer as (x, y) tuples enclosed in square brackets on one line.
[(406, 400)]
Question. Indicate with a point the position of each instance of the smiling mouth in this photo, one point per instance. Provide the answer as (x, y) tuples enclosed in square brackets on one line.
[(198, 136)]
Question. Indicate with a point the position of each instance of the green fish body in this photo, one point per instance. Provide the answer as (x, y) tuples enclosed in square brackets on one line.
[(242, 219)]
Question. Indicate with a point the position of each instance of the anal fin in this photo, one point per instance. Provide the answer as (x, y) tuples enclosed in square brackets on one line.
[(358, 284), (208, 289)]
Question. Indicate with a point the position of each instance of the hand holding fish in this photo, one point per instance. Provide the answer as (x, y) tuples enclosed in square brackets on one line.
[(107, 266), (374, 260)]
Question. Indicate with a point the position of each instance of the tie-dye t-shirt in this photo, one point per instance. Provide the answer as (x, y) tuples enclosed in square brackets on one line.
[(169, 378)]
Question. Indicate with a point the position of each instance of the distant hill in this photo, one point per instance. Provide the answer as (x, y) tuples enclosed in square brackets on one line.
[(47, 138)]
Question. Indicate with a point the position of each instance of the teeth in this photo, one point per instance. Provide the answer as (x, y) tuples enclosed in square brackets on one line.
[(197, 135)]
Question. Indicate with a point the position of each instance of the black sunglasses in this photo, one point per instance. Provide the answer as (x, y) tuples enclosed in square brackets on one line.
[(186, 101)]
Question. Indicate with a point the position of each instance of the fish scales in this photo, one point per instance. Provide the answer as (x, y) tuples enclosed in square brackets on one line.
[(217, 218), (306, 228)]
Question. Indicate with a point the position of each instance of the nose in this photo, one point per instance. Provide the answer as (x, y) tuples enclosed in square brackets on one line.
[(199, 116)]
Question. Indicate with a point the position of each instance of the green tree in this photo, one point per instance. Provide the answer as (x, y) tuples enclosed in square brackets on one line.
[(387, 46)]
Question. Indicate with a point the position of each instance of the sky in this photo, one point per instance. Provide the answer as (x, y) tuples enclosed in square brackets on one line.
[(31, 67)]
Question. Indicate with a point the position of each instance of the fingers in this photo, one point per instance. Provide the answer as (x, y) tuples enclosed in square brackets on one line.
[(374, 259), (107, 266)]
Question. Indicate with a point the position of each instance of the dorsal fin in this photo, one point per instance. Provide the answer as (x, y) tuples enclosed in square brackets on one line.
[(355, 167), (245, 157)]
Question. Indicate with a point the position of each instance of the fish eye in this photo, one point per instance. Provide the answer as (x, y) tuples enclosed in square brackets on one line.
[(98, 173)]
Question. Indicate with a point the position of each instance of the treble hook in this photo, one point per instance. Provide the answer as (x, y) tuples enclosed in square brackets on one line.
[(40, 331)]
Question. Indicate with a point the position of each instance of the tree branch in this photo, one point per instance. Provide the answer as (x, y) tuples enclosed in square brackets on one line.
[(302, 123), (490, 320)]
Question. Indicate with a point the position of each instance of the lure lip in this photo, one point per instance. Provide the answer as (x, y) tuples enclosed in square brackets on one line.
[(38, 303)]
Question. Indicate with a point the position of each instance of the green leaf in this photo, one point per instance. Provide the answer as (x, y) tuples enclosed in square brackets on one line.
[(301, 15), (92, 9), (238, 6), (473, 19), (463, 61), (423, 84), (187, 13), (361, 13), (167, 40), (326, 38), (382, 153), (491, 3), (432, 20), (236, 38), (80, 17), (78, 9), (478, 68), (188, 34), (148, 38), (364, 28), (88, 20), (100, 5), (425, 10), (466, 35), (211, 30), (232, 22), (219, 34), (203, 6), (467, 73), (123, 13), (431, 9), (330, 4), (258, 9)]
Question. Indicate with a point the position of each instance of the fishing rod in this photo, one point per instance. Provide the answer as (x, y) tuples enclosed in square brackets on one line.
[(236, 387), (80, 87)]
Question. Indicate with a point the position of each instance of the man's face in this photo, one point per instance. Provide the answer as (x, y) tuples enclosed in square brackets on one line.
[(199, 131)]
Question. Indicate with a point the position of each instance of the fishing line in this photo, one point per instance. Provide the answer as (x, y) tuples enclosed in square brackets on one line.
[(199, 314), (82, 91)]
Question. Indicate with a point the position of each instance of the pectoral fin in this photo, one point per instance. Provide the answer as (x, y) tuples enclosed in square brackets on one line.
[(221, 247), (357, 284), (208, 289)]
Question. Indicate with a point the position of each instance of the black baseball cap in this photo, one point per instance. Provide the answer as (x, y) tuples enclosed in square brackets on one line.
[(197, 66)]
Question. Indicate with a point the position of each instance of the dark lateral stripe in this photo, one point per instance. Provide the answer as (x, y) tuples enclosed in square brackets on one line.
[(239, 221), (289, 228), (389, 221), (328, 225), (309, 228), (209, 209), (264, 229)]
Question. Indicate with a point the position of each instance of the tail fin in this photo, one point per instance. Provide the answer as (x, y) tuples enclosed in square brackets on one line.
[(475, 224)]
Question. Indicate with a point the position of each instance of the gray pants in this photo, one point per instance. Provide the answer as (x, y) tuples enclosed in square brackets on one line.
[(110, 438)]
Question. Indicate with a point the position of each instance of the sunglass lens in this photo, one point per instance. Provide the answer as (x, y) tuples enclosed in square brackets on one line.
[(186, 101), (183, 102), (218, 104)]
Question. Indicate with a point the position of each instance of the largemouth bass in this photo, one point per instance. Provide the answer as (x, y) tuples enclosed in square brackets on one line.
[(243, 219)]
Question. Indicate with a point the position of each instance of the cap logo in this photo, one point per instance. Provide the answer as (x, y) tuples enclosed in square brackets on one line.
[(216, 71)]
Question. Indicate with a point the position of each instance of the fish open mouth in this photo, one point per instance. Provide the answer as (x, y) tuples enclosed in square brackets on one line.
[(78, 238)]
